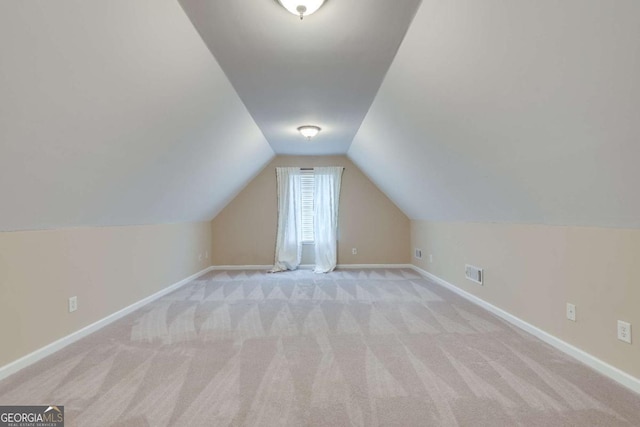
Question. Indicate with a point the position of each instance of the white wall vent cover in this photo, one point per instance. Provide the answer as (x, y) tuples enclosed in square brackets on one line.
[(474, 274)]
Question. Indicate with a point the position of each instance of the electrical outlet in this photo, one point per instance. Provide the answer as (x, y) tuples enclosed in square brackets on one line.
[(430, 257), (354, 251), (571, 312), (417, 253), (73, 304), (624, 331)]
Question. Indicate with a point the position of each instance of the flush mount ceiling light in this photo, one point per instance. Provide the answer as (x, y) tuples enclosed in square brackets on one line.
[(309, 131), (301, 8)]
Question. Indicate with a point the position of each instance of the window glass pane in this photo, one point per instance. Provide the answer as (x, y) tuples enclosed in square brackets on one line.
[(308, 187)]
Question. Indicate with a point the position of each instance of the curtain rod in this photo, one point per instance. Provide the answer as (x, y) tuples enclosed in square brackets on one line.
[(310, 169)]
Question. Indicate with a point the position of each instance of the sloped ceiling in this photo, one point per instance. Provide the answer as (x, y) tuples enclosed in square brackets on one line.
[(115, 112), (516, 111), (324, 70)]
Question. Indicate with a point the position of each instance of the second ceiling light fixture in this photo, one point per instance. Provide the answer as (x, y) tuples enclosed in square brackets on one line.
[(309, 131)]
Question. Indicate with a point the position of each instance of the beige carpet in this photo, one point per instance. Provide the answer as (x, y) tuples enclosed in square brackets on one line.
[(354, 347)]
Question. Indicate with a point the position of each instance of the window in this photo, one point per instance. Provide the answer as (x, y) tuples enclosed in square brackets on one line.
[(307, 213), (307, 185)]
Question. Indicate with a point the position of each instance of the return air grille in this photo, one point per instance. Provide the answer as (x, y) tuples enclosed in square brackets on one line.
[(474, 274)]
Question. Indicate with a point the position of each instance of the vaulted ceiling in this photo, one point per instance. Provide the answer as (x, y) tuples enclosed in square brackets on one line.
[(511, 111), (153, 111), (324, 70), (114, 113)]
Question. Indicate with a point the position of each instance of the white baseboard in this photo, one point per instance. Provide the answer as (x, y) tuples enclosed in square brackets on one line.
[(357, 266), (604, 368), (309, 266), (49, 349), (242, 267)]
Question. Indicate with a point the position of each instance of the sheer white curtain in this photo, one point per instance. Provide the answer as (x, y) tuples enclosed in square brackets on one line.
[(326, 200), (289, 234)]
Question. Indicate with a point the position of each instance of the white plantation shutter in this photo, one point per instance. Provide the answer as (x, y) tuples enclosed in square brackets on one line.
[(307, 187)]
